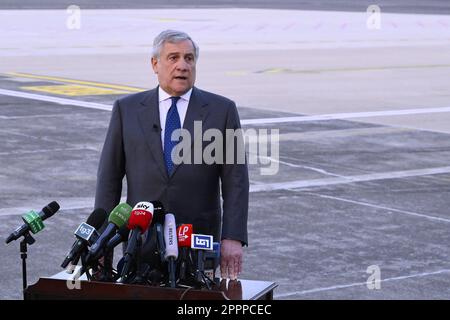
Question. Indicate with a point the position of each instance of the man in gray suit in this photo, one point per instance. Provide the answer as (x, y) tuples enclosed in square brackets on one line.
[(139, 143)]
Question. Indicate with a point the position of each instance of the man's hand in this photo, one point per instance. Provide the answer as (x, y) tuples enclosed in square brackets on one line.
[(230, 258), (234, 290)]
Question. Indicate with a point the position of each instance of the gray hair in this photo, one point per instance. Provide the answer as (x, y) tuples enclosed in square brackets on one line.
[(171, 36)]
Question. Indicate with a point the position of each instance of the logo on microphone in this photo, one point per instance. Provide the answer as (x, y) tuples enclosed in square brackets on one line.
[(184, 235), (144, 206), (140, 212), (202, 242), (182, 230), (84, 231), (171, 237), (34, 221)]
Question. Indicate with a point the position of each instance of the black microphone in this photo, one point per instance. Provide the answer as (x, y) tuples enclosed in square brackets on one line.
[(158, 213), (156, 128), (33, 221), (121, 236), (86, 234), (119, 216), (160, 243), (159, 217)]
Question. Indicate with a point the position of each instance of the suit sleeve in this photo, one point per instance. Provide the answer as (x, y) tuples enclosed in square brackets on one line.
[(111, 168), (235, 182)]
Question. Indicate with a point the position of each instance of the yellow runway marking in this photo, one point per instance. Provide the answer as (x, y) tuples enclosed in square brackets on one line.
[(125, 89), (74, 90)]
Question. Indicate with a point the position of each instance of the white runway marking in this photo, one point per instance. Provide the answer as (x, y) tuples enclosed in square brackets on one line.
[(347, 115), (298, 184), (357, 284), (292, 165), (382, 207), (341, 133), (323, 117)]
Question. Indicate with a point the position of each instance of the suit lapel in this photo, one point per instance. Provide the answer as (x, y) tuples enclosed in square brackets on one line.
[(151, 127), (196, 112)]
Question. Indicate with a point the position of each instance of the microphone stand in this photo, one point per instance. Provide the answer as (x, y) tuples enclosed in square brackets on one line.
[(171, 268), (27, 239), (200, 266), (132, 262), (85, 266), (107, 271)]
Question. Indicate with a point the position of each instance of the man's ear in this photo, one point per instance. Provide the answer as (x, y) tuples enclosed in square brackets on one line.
[(154, 63)]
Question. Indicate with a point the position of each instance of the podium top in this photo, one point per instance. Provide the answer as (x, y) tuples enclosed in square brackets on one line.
[(62, 286)]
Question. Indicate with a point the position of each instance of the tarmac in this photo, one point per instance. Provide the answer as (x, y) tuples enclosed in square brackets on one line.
[(362, 179)]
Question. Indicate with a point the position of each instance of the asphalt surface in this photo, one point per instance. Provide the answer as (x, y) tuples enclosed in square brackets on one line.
[(363, 177), (310, 240)]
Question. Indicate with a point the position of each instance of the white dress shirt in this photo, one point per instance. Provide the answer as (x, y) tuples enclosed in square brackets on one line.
[(164, 105)]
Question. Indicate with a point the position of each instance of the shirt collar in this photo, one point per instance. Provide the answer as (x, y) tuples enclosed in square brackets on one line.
[(164, 95)]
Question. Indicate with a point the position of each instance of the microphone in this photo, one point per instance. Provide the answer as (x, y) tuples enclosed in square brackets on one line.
[(158, 213), (121, 236), (86, 234), (171, 244), (156, 128), (184, 233), (202, 243), (160, 244), (211, 262), (119, 216), (140, 219), (158, 206), (33, 221), (157, 223)]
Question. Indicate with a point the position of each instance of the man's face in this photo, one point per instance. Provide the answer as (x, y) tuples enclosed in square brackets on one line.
[(176, 67)]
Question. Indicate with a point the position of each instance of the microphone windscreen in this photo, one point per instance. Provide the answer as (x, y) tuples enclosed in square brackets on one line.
[(170, 237), (158, 213), (184, 233), (141, 216), (50, 209), (120, 214), (97, 218)]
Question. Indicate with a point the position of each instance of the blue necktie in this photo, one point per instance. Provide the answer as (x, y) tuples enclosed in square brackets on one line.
[(172, 123)]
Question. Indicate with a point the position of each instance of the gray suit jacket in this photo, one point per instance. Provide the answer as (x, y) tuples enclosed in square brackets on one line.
[(133, 149)]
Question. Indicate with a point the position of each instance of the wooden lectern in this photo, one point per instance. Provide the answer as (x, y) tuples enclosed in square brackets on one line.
[(56, 287)]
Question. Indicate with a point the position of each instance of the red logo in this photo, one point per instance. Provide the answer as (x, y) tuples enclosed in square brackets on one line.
[(184, 234)]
